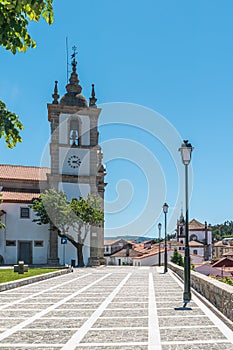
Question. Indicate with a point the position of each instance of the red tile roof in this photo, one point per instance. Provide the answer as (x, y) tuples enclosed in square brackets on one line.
[(20, 197), (19, 172), (123, 253), (227, 262), (195, 225), (195, 244), (210, 270)]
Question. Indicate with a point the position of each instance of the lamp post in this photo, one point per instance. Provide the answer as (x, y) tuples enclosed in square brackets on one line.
[(165, 210), (186, 152), (159, 227)]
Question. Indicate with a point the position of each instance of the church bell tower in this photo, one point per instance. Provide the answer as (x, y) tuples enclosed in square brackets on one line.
[(76, 157)]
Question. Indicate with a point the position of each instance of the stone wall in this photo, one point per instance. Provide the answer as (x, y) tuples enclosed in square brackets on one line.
[(218, 293)]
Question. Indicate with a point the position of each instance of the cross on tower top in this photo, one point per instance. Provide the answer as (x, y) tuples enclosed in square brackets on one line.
[(73, 56)]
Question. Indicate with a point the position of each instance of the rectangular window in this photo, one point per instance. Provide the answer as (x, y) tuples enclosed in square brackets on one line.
[(10, 243), (24, 213), (38, 243)]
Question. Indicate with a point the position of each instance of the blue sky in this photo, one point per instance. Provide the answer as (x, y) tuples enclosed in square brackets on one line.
[(173, 57)]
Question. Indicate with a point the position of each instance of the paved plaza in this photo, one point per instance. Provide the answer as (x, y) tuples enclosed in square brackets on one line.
[(108, 308)]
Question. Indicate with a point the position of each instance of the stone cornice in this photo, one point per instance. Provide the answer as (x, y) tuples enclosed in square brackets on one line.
[(54, 110)]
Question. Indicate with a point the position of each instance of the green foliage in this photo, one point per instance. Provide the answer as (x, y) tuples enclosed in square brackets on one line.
[(176, 258), (227, 280), (223, 230), (10, 126), (88, 211), (53, 208), (79, 214), (15, 16)]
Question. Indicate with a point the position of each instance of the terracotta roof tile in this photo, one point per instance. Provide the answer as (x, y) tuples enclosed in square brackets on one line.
[(8, 196), (195, 244), (123, 253), (18, 172), (226, 261), (210, 270), (195, 225)]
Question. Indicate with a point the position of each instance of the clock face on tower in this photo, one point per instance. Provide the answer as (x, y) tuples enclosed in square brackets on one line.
[(74, 161)]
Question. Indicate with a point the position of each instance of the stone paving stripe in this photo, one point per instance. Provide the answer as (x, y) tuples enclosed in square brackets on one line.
[(227, 332), (111, 317), (64, 318), (32, 346), (188, 327), (78, 336), (39, 293), (51, 329), (153, 324), (171, 308), (89, 345), (191, 342), (116, 328), (181, 316), (50, 308)]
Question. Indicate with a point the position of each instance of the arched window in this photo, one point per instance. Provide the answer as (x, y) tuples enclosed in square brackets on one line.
[(195, 252), (74, 132), (193, 237)]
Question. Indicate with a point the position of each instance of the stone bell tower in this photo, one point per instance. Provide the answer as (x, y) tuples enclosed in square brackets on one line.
[(76, 157)]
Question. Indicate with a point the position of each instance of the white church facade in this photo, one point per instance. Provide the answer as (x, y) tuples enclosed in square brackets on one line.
[(76, 169)]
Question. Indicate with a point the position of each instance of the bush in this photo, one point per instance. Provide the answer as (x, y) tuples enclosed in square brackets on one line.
[(176, 258)]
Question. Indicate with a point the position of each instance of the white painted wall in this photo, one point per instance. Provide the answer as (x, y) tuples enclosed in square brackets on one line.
[(152, 260), (63, 128), (83, 154), (201, 236), (19, 229), (85, 130), (200, 250)]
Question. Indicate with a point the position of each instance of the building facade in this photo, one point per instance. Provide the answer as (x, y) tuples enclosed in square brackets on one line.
[(200, 237), (76, 169)]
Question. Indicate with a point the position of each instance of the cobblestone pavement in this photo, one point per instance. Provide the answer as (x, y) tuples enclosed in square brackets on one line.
[(109, 308)]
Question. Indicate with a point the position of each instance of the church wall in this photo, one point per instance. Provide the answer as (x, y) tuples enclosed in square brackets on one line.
[(74, 190), (22, 229), (199, 250), (85, 129), (201, 236), (63, 129)]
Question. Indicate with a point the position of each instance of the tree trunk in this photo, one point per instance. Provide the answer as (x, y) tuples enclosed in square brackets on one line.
[(80, 255)]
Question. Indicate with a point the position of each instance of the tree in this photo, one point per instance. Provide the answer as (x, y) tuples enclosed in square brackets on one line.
[(88, 213), (10, 126), (15, 16), (72, 220), (176, 258), (220, 231)]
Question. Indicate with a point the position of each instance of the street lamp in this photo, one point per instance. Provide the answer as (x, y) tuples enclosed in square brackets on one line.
[(165, 210), (186, 152), (159, 227)]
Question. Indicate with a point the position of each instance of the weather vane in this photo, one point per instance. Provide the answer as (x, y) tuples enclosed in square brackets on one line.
[(73, 56)]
